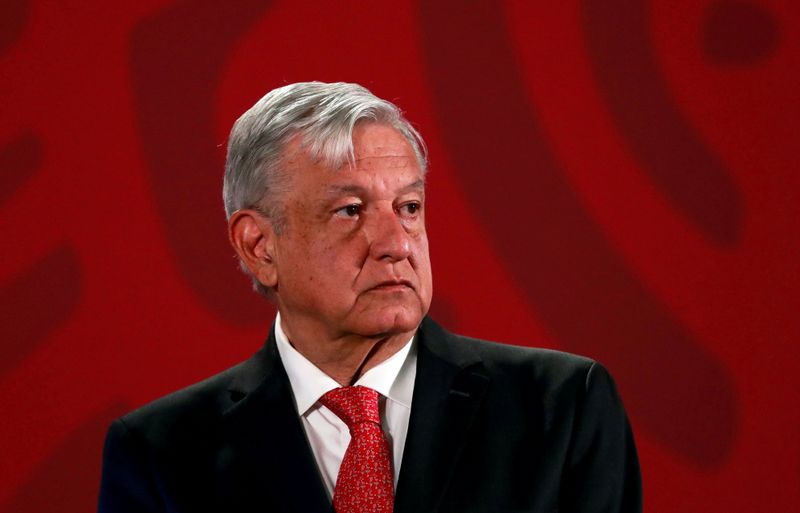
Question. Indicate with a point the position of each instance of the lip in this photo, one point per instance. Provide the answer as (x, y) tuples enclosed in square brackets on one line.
[(393, 285)]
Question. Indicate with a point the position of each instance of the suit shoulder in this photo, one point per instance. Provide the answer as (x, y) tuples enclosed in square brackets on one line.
[(196, 405), (505, 359), (534, 359), (564, 381)]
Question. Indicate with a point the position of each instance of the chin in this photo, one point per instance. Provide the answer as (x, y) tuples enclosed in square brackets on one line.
[(390, 321)]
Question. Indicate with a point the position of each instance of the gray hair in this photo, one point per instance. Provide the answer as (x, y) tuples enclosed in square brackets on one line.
[(324, 116)]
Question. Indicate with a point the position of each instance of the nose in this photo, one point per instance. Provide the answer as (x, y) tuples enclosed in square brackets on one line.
[(389, 238)]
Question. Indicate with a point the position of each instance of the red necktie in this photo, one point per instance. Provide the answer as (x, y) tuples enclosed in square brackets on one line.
[(365, 483)]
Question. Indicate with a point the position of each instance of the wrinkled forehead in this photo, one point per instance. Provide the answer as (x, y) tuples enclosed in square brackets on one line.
[(384, 165), (372, 146), (372, 163), (371, 140)]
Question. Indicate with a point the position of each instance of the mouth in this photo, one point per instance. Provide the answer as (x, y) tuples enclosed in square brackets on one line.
[(393, 285)]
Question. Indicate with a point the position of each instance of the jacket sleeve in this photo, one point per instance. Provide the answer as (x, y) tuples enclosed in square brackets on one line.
[(127, 484), (602, 473)]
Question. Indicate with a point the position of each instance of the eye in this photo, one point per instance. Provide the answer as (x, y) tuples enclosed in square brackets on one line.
[(349, 211), (411, 208)]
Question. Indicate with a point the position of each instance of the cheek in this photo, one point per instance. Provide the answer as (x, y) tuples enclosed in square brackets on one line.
[(421, 248), (336, 263), (422, 260)]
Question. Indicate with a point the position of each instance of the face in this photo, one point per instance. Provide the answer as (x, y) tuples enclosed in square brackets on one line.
[(353, 258)]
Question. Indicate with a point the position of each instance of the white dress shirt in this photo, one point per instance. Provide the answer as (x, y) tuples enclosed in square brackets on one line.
[(328, 436)]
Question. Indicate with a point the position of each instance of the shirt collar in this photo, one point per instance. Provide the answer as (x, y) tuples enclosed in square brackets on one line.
[(393, 378)]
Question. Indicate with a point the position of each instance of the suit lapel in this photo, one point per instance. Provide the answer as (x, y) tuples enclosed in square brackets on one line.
[(265, 453), (448, 391)]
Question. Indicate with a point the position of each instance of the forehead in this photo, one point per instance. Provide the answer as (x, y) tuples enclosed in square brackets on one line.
[(381, 153), (372, 140)]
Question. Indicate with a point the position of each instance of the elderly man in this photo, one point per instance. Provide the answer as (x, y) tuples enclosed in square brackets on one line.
[(358, 402)]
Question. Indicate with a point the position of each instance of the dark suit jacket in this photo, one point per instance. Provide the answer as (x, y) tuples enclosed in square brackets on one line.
[(493, 428)]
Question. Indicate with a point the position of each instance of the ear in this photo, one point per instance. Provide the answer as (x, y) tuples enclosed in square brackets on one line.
[(253, 237)]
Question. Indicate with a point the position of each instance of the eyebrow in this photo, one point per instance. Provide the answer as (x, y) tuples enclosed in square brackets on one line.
[(357, 190)]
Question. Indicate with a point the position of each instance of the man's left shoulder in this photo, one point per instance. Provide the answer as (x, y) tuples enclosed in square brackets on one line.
[(531, 357), (505, 354), (517, 365), (559, 410)]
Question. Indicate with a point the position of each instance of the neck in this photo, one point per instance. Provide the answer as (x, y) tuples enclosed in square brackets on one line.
[(345, 358)]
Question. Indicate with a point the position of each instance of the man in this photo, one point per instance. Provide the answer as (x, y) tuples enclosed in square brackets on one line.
[(358, 401)]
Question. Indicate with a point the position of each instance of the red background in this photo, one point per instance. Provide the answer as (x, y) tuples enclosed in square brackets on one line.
[(616, 178)]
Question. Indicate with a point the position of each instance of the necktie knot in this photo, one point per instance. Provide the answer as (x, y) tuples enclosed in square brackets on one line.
[(353, 405)]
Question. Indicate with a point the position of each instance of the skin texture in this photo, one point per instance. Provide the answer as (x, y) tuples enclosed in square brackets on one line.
[(350, 271)]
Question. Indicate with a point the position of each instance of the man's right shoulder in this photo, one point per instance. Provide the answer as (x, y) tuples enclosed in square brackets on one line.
[(197, 406)]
